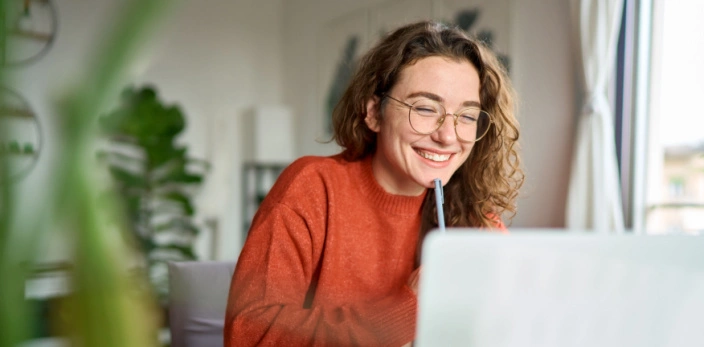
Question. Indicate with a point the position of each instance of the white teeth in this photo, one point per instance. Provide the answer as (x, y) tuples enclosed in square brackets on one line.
[(434, 156)]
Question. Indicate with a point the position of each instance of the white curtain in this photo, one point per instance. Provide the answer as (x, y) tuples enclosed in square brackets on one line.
[(594, 197)]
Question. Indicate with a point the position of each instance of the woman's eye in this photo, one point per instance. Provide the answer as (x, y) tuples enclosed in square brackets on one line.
[(468, 118), (426, 109)]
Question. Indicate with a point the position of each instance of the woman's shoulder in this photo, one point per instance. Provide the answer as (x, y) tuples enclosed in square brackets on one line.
[(309, 175), (315, 165), (309, 162)]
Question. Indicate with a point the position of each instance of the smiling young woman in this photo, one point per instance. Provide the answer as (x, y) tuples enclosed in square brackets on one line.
[(332, 254)]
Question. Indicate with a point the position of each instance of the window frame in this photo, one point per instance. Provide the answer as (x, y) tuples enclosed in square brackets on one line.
[(632, 108)]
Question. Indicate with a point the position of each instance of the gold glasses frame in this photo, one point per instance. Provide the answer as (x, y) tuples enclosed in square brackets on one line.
[(441, 119)]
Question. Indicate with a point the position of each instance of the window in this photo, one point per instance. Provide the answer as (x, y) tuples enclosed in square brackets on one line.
[(676, 187), (664, 178)]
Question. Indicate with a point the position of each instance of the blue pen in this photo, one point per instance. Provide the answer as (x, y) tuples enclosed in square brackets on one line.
[(439, 200)]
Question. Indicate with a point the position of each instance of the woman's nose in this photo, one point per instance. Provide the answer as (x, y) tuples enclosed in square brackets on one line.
[(446, 131)]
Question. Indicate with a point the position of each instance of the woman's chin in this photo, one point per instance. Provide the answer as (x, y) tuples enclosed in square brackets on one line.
[(444, 178), (430, 182)]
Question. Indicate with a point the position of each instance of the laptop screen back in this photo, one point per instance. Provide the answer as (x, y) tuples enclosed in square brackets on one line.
[(531, 288)]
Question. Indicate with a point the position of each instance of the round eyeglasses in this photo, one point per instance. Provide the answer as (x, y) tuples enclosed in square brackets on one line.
[(427, 116)]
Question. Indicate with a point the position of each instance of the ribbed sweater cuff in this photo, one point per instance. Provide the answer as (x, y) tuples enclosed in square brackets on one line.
[(396, 319)]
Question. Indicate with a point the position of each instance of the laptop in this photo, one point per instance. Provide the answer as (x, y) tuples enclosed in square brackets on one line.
[(548, 288)]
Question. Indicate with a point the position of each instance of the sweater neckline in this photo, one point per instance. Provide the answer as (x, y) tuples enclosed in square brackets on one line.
[(396, 204)]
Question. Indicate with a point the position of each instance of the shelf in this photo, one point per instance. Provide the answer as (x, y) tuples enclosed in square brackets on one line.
[(33, 35), (257, 179), (17, 155), (15, 113)]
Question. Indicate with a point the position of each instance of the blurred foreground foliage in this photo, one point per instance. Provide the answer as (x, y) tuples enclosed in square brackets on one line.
[(108, 306)]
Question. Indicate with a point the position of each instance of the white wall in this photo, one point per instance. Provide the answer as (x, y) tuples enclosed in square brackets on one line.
[(543, 73), (302, 26), (215, 58), (542, 70)]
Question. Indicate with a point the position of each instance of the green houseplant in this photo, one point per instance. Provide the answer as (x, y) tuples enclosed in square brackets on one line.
[(155, 177)]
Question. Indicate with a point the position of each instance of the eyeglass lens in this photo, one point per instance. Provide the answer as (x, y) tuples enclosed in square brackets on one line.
[(426, 116)]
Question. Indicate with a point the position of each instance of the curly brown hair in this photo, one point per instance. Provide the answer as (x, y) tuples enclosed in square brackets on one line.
[(486, 185)]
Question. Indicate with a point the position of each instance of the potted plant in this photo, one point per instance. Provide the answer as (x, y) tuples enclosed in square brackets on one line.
[(155, 177)]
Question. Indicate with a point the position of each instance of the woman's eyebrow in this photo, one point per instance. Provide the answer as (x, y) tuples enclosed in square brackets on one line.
[(471, 104), (428, 95), (438, 98)]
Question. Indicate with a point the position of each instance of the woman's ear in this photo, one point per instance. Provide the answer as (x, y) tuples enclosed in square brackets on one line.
[(373, 114)]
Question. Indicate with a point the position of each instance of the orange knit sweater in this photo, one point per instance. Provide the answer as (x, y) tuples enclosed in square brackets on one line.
[(326, 261)]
